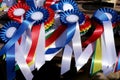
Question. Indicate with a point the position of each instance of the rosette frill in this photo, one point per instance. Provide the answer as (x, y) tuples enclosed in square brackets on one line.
[(8, 30), (105, 46), (17, 11)]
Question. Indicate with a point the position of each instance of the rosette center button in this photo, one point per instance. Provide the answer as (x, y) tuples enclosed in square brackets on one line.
[(10, 32), (72, 18), (37, 16), (67, 7), (19, 12)]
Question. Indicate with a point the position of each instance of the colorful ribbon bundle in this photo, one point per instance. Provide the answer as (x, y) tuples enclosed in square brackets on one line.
[(41, 29)]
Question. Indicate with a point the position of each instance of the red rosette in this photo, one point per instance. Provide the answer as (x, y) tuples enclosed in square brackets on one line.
[(50, 19), (17, 11)]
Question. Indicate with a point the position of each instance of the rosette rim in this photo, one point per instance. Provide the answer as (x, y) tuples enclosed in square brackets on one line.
[(5, 28), (72, 5), (11, 10), (64, 15), (101, 15), (42, 10)]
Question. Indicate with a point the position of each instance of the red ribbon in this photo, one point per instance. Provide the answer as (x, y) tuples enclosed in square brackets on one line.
[(35, 34), (95, 35), (55, 35)]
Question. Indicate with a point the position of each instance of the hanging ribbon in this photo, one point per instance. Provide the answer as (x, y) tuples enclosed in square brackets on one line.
[(39, 44), (107, 16), (6, 34), (97, 58)]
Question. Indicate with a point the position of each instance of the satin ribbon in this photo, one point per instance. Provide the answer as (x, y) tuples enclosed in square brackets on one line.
[(97, 58), (40, 42), (106, 16)]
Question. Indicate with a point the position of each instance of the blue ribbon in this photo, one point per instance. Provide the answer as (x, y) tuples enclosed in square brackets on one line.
[(61, 3), (100, 16), (10, 53), (10, 61)]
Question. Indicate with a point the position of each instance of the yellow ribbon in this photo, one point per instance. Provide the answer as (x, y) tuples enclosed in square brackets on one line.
[(97, 58)]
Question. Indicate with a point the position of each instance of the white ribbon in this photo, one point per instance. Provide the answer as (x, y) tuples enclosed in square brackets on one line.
[(40, 49), (108, 48), (66, 59), (21, 61), (76, 43)]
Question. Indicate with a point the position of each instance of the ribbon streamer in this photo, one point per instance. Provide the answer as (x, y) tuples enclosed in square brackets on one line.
[(106, 17)]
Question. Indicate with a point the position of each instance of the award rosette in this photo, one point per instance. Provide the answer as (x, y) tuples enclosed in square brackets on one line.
[(105, 53), (17, 12), (6, 34), (72, 19)]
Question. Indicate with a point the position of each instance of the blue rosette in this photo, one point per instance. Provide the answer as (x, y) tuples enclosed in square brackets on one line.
[(64, 5), (105, 14), (6, 33), (72, 16), (8, 30), (38, 15)]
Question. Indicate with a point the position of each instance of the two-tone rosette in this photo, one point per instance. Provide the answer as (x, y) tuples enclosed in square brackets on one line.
[(72, 19), (104, 57), (38, 35)]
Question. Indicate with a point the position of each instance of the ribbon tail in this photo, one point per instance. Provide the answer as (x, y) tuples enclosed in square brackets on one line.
[(109, 55), (97, 58), (76, 43), (21, 61), (40, 50), (10, 60), (84, 57), (66, 59)]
